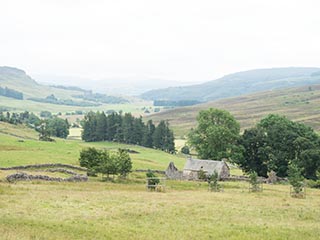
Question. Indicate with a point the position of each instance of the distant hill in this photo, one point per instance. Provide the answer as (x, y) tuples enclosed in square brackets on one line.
[(129, 86), (300, 104), (15, 83), (238, 84)]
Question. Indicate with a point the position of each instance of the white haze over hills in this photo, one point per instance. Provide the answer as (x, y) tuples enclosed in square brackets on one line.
[(143, 44), (114, 86)]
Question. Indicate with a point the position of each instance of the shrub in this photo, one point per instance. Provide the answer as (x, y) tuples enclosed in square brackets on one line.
[(185, 150)]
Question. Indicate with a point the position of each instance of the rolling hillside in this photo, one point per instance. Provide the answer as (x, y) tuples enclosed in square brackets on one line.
[(17, 80), (300, 104), (238, 84)]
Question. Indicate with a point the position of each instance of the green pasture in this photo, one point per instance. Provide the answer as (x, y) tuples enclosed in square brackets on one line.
[(103, 210), (124, 209)]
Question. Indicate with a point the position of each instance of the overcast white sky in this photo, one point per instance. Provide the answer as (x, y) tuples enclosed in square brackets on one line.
[(169, 39)]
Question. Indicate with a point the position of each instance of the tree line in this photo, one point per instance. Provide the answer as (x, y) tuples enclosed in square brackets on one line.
[(273, 144), (125, 128), (52, 126), (11, 93)]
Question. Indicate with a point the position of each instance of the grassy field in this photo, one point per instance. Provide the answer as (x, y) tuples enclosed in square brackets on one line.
[(27, 105), (19, 150), (97, 210), (125, 210), (300, 104)]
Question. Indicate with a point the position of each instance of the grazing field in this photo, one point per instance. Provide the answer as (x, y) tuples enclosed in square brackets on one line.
[(19, 150), (123, 209), (101, 210)]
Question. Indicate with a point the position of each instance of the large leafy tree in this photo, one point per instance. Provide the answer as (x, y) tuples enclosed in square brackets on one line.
[(216, 135), (275, 142)]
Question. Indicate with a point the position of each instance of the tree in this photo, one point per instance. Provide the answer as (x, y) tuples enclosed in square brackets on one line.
[(274, 142), (185, 149), (101, 125), (105, 162), (256, 152), (89, 124), (295, 178), (149, 129), (124, 163), (216, 134), (108, 163), (163, 137), (254, 182), (213, 182), (90, 158), (58, 127), (44, 132)]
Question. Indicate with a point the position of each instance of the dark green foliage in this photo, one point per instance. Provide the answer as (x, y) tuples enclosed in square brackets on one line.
[(106, 163), (11, 93), (213, 182), (58, 127), (295, 178), (254, 182), (29, 119), (44, 133), (91, 159), (163, 138), (152, 180), (256, 152), (202, 175), (185, 150), (216, 134), (274, 142), (147, 139), (124, 163), (127, 129)]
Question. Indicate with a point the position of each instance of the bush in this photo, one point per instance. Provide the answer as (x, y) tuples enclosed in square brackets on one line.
[(185, 150)]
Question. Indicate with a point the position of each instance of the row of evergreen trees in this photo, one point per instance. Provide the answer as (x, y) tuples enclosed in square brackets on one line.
[(127, 129)]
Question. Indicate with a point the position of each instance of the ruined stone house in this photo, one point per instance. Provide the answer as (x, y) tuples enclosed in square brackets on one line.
[(193, 166)]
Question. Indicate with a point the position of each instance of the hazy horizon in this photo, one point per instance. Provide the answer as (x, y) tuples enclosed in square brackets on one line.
[(177, 41)]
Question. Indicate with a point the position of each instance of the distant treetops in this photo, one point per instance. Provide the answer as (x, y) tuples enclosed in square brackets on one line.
[(125, 128), (273, 144)]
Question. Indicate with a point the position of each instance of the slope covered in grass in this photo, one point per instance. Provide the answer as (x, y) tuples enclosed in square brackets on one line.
[(300, 104), (17, 149)]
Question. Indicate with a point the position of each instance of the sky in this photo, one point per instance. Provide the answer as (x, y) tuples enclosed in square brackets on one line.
[(185, 41)]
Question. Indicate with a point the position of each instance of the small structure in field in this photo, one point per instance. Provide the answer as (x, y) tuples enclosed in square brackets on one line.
[(193, 167), (172, 172)]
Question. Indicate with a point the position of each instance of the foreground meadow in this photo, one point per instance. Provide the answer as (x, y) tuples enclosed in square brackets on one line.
[(102, 210), (125, 210)]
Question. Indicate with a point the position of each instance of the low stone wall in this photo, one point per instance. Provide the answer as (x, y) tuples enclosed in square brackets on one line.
[(21, 176), (61, 170), (46, 165), (154, 171)]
